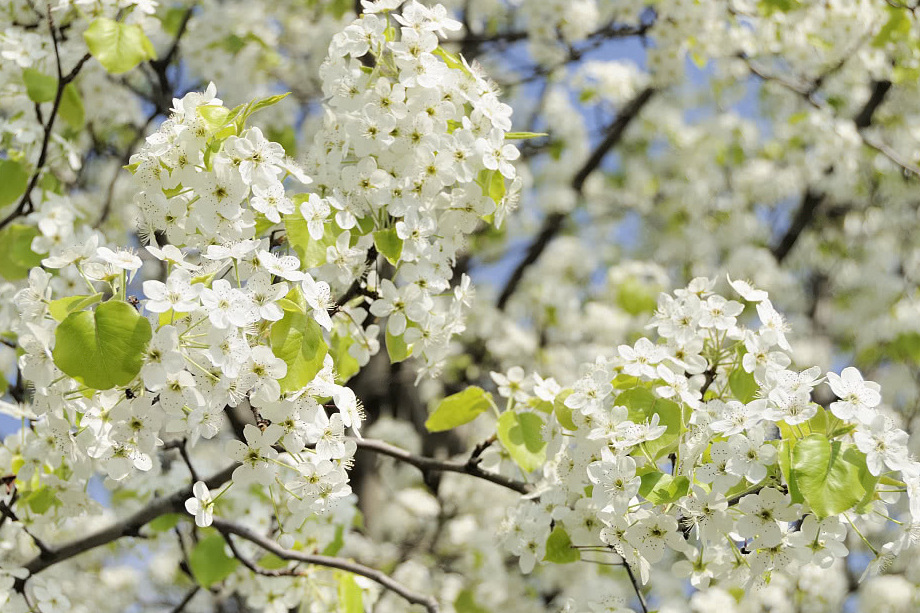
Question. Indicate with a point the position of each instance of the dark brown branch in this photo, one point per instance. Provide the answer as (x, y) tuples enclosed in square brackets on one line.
[(812, 199), (635, 584), (185, 600), (25, 205), (552, 225), (802, 220), (426, 464), (614, 136), (227, 527), (129, 526), (281, 572), (863, 118), (8, 513)]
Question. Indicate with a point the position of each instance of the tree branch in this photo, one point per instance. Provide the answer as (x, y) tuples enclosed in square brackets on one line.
[(811, 200), (425, 464), (25, 205), (802, 219), (635, 584), (553, 222), (185, 600), (227, 527), (129, 526)]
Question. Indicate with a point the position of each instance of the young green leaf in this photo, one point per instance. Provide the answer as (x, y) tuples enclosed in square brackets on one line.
[(71, 109), (559, 548), (62, 307), (312, 253), (298, 340), (39, 86), (102, 348), (209, 561), (397, 348), (466, 603), (564, 413), (458, 409), (13, 181), (522, 436), (742, 384), (832, 476), (523, 135), (346, 366), (389, 244), (16, 255), (662, 488), (351, 599), (118, 46)]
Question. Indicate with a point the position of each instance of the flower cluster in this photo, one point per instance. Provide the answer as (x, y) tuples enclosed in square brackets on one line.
[(706, 450)]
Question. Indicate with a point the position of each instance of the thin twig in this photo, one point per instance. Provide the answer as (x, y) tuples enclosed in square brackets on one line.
[(8, 513), (425, 464), (635, 584), (129, 526), (552, 225), (228, 527), (185, 600), (25, 205)]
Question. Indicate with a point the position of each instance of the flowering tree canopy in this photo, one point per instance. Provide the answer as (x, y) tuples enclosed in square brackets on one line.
[(465, 307)]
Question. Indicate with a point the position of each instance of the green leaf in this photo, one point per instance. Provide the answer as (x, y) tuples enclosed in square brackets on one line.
[(351, 599), (13, 181), (785, 461), (71, 109), (16, 255), (452, 61), (564, 413), (214, 116), (768, 7), (458, 409), (298, 340), (119, 47), (263, 103), (62, 307), (642, 404), (346, 366), (40, 500), (397, 348), (172, 20), (896, 28), (272, 562), (624, 382), (492, 183), (102, 348), (164, 523), (662, 488), (337, 542), (742, 384), (832, 476), (523, 135), (522, 436), (311, 253), (466, 603), (286, 137), (389, 244), (636, 297), (559, 548), (209, 561), (39, 86)]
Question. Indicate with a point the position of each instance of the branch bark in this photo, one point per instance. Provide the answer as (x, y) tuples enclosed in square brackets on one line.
[(802, 220), (129, 526), (425, 464), (227, 527), (552, 225)]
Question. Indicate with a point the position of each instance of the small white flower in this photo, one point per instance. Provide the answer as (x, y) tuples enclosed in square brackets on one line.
[(201, 505)]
